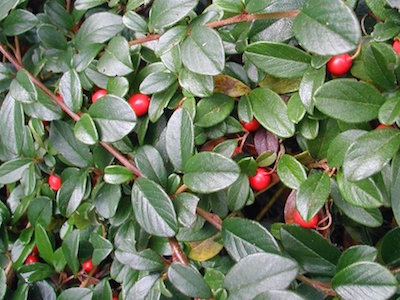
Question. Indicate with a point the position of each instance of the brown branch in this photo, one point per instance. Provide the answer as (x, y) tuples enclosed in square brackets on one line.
[(68, 5), (17, 50), (213, 219), (177, 252), (243, 17), (246, 17), (325, 288)]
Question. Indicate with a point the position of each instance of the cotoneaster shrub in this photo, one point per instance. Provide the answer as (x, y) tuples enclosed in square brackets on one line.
[(226, 149)]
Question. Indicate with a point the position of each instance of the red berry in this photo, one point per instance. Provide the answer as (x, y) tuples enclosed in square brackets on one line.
[(31, 259), (35, 251), (98, 94), (340, 64), (55, 182), (251, 126), (115, 297), (306, 224), (236, 151), (139, 103), (87, 265), (382, 126), (261, 180), (396, 46)]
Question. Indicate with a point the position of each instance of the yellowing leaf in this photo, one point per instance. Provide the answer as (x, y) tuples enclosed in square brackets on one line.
[(205, 250), (230, 86)]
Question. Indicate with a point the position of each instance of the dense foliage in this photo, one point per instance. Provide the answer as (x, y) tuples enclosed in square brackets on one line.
[(226, 149)]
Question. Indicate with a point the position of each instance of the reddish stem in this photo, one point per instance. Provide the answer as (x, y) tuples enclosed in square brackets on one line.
[(213, 219), (177, 252)]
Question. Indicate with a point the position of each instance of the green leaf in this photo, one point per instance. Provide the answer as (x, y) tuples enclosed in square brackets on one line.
[(349, 100), (185, 206), (364, 280), (213, 110), (246, 279), (149, 161), (58, 15), (117, 174), (312, 194), (311, 81), (233, 6), (334, 26), (380, 61), (159, 101), (389, 248), (157, 82), (22, 88), (71, 193), (339, 145), (363, 193), (309, 128), (63, 140), (355, 254), (319, 146), (197, 84), (12, 170), (270, 110), (170, 39), (315, 254), (92, 31), (146, 260), (206, 46), (188, 281), (278, 295), (180, 138), (5, 7), (40, 211), (85, 130), (35, 272), (370, 152), (70, 248), (44, 109), (85, 56), (76, 293), (209, 172), (102, 290), (18, 22), (143, 286), (107, 199), (245, 111), (43, 243), (153, 208), (87, 4), (390, 111), (3, 284), (368, 217), (291, 172), (101, 248), (51, 37), (116, 60), (243, 237), (11, 133), (134, 22), (113, 116), (238, 193), (118, 86), (278, 59), (71, 90), (164, 14)]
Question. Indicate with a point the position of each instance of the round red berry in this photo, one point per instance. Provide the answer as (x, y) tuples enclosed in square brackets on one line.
[(396, 46), (87, 265), (140, 104), (261, 180), (340, 64), (31, 259), (98, 94), (253, 125), (306, 224), (55, 182), (382, 126), (115, 297)]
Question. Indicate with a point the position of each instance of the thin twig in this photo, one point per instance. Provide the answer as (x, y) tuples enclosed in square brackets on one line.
[(180, 190), (326, 288), (17, 49), (244, 17), (271, 202), (211, 218), (177, 252), (68, 5)]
